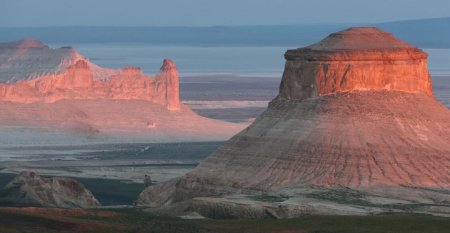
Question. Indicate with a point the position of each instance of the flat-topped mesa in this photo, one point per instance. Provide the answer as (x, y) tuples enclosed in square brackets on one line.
[(32, 72), (356, 59)]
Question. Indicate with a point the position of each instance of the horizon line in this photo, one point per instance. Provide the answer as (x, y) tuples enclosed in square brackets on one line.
[(224, 25)]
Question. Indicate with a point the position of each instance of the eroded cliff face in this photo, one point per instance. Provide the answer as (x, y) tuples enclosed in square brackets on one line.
[(167, 85), (75, 77), (63, 93), (359, 59), (354, 111)]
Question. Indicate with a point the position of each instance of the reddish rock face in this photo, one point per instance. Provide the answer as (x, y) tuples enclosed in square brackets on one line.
[(356, 59), (64, 93), (74, 77), (168, 85)]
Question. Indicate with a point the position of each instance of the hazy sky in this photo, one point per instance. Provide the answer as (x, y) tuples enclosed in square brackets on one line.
[(213, 12)]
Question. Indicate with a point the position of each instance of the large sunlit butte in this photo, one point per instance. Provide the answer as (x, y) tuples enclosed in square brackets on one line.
[(356, 112)]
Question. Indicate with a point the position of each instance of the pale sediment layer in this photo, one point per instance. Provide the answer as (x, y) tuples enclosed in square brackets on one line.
[(352, 140), (108, 121)]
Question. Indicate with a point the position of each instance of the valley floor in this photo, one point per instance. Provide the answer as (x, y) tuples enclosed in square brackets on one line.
[(114, 173)]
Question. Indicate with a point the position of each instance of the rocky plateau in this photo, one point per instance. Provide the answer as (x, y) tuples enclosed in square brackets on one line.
[(58, 93)]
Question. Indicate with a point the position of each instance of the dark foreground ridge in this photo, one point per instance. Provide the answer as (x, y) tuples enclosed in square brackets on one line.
[(135, 220)]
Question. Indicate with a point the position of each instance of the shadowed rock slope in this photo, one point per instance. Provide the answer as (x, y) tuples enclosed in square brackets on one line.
[(29, 188)]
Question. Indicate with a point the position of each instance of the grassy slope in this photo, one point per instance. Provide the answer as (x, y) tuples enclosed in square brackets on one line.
[(134, 220)]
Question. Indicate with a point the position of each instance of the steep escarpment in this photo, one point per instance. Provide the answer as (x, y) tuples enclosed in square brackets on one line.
[(354, 112), (60, 89), (358, 59), (30, 188), (32, 72)]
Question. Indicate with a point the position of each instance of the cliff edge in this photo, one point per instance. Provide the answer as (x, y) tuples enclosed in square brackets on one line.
[(64, 98), (32, 72)]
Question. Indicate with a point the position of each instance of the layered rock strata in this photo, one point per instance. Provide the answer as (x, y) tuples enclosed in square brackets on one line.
[(47, 91), (30, 188), (32, 72), (355, 111), (351, 60)]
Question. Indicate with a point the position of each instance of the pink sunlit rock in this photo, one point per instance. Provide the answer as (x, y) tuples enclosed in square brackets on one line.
[(36, 73), (60, 89)]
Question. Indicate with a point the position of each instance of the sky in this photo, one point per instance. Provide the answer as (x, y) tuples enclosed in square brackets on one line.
[(44, 13)]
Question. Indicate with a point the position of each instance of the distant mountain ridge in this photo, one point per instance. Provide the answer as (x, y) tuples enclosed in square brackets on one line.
[(209, 36), (425, 33)]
